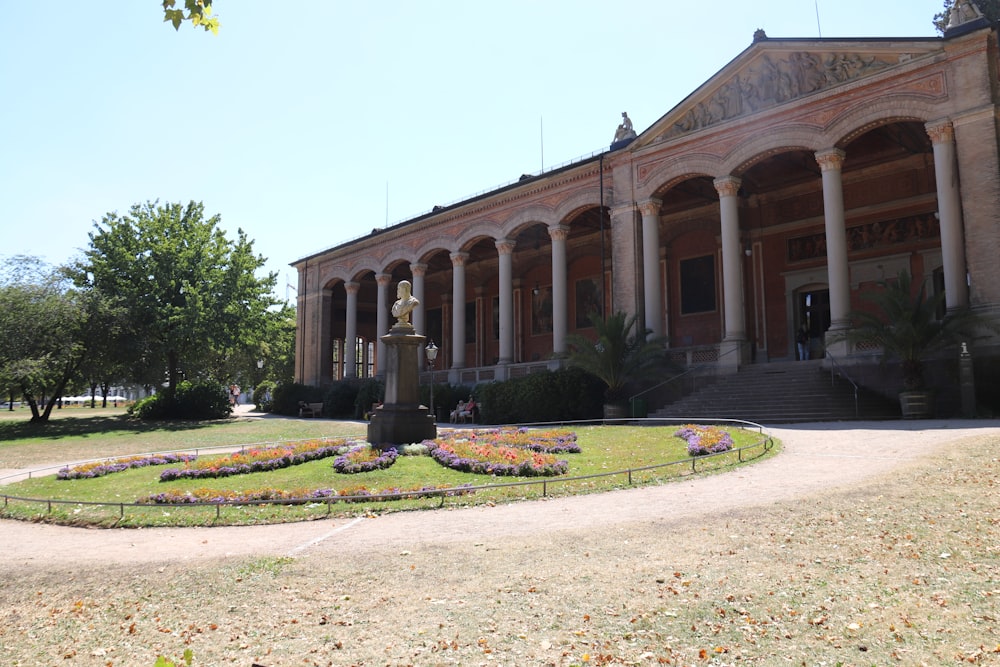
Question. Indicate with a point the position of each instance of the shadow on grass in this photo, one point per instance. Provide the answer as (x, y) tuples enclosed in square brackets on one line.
[(83, 426)]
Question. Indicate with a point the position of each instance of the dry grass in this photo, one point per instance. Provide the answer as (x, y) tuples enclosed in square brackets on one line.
[(902, 571)]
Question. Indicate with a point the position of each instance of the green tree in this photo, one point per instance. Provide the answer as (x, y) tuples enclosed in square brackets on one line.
[(989, 8), (198, 12), (47, 328), (194, 302)]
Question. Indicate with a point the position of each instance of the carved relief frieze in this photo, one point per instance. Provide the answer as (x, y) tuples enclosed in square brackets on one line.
[(911, 229), (776, 79)]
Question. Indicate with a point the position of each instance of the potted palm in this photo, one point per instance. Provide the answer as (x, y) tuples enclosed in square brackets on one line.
[(907, 327), (621, 354)]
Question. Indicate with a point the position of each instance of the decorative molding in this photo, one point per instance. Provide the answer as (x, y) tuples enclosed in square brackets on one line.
[(941, 132), (831, 159), (727, 186)]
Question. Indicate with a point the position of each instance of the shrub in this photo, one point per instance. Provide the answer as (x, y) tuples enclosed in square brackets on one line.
[(563, 395), (196, 401), (285, 397), (340, 399), (263, 395), (368, 391)]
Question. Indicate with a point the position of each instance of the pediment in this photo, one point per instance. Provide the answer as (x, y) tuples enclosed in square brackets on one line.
[(774, 72)]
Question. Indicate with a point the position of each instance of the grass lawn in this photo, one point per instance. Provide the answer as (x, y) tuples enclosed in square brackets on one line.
[(79, 435)]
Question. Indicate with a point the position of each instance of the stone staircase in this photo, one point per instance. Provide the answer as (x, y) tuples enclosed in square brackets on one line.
[(781, 393)]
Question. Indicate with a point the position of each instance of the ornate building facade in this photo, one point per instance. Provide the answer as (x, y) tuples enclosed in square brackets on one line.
[(769, 199)]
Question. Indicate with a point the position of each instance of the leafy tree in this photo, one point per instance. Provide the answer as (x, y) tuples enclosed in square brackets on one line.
[(48, 329), (193, 302), (989, 8), (198, 12)]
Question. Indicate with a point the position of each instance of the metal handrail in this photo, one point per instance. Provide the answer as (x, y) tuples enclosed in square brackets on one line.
[(844, 374)]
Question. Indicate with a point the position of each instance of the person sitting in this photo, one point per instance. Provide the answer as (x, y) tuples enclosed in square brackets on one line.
[(457, 412), (469, 412)]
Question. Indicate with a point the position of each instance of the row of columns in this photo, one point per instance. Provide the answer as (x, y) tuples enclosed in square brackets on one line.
[(505, 250), (831, 163)]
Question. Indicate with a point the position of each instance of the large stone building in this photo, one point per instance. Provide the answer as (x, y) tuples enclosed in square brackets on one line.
[(802, 172)]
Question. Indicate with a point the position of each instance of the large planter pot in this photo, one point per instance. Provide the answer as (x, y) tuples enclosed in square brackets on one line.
[(916, 404), (615, 411)]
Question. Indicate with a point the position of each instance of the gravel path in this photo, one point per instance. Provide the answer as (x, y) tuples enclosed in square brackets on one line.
[(817, 458)]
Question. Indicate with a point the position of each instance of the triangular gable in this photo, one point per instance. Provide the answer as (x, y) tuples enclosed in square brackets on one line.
[(772, 72)]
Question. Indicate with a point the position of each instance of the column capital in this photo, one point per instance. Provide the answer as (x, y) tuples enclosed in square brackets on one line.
[(558, 232), (352, 287), (650, 206), (458, 258), (418, 269), (383, 279), (830, 159), (505, 246), (727, 186), (941, 131)]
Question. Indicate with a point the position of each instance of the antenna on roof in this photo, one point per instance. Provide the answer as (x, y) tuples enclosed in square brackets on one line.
[(387, 204), (817, 20), (541, 141)]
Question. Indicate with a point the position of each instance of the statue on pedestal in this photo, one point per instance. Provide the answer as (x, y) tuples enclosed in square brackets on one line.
[(405, 303)]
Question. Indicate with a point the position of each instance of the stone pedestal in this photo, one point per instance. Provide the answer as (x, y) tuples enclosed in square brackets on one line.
[(401, 419)]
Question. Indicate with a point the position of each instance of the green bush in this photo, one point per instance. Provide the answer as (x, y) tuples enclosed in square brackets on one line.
[(263, 395), (340, 399), (446, 396), (368, 391), (196, 401), (563, 395), (286, 396)]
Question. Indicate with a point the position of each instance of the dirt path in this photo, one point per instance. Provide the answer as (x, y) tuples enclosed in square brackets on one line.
[(817, 458)]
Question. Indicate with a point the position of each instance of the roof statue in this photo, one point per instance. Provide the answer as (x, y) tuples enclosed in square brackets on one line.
[(962, 12), (624, 134)]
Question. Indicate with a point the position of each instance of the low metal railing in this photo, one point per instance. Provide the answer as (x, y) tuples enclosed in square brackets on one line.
[(765, 443)]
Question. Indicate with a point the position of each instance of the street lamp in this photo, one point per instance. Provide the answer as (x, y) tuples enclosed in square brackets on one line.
[(432, 354)]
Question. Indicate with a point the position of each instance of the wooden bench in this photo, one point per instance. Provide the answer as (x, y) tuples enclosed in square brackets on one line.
[(310, 409)]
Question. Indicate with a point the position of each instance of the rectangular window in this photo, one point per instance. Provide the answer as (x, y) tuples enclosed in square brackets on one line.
[(697, 285)]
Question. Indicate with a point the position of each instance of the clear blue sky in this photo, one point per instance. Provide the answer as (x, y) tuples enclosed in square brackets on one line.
[(310, 128)]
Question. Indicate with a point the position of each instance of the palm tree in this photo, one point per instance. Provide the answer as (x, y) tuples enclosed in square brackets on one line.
[(907, 326), (622, 353)]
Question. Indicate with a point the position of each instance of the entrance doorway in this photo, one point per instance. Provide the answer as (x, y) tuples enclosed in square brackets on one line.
[(813, 310)]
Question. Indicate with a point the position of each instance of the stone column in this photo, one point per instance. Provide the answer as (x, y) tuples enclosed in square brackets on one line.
[(351, 330), (458, 260), (505, 250), (419, 314), (626, 274), (838, 274), (381, 320), (653, 301), (560, 298), (949, 214), (732, 271)]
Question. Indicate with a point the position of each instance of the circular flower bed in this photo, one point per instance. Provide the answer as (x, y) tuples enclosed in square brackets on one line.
[(486, 458), (702, 440), (364, 458)]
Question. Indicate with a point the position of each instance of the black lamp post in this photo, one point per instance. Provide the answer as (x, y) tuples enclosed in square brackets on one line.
[(432, 354)]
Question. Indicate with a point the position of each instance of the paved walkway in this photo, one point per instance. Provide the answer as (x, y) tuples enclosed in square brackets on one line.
[(817, 459)]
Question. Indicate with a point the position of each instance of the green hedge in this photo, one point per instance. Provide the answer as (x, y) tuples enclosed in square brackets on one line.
[(285, 397), (562, 395), (197, 401)]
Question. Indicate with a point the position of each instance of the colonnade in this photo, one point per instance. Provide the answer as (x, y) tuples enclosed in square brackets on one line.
[(830, 162)]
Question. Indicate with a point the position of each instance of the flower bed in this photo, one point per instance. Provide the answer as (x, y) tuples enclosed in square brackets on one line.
[(354, 494), (257, 460), (465, 452), (364, 458), (556, 441), (101, 468), (702, 440)]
